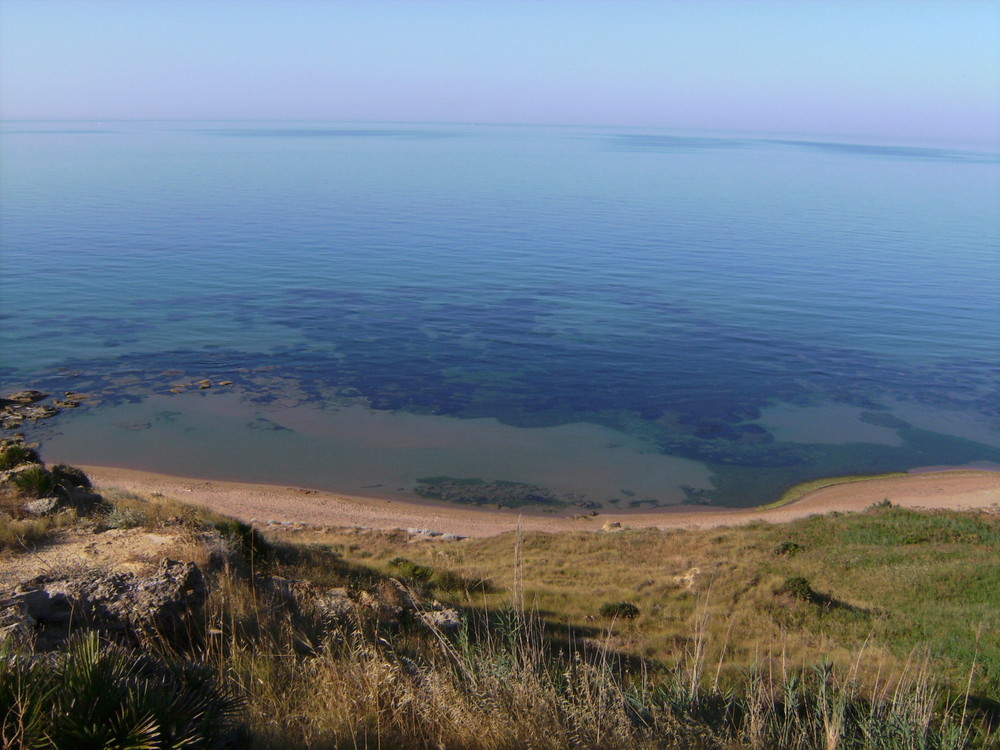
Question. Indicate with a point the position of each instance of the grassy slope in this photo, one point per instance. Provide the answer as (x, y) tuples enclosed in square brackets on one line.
[(892, 593), (893, 581)]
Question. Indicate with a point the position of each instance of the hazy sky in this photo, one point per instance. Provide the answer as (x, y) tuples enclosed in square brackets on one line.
[(877, 68)]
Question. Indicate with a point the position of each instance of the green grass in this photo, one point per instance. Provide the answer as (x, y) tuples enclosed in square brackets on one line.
[(896, 526)]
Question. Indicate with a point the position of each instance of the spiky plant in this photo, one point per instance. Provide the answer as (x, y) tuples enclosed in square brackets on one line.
[(15, 454), (96, 696), (35, 481)]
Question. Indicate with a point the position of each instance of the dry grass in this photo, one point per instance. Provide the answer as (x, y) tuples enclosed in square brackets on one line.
[(20, 532), (888, 580), (502, 684)]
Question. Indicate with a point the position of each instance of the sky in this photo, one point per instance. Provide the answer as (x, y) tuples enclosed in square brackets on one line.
[(913, 69)]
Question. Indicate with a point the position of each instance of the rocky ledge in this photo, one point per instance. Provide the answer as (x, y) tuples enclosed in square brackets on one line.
[(45, 609)]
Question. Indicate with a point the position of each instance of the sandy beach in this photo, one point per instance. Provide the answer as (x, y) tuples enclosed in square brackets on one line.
[(259, 503)]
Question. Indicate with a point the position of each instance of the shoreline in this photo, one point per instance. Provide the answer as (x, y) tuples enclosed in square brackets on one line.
[(956, 489)]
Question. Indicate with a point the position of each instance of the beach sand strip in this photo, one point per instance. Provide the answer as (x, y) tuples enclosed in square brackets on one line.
[(261, 504)]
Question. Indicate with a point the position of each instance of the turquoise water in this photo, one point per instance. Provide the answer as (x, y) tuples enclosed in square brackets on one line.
[(612, 316)]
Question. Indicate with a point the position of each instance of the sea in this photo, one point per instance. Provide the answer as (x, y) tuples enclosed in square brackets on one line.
[(534, 317)]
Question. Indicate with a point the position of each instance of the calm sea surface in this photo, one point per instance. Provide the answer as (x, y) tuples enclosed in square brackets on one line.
[(505, 315)]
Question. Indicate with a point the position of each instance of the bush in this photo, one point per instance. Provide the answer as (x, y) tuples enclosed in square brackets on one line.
[(798, 587), (788, 548), (15, 454), (619, 610), (70, 477), (120, 517), (247, 541), (411, 570), (883, 504)]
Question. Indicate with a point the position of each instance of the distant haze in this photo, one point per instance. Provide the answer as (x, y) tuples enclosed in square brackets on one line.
[(914, 70)]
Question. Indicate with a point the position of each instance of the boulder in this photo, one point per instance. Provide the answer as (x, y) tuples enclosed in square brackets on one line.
[(336, 607), (43, 506), (446, 620)]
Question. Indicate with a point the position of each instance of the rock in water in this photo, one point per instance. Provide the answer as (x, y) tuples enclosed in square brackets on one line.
[(27, 397)]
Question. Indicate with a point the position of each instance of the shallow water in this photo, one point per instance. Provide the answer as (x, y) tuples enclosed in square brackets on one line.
[(392, 302)]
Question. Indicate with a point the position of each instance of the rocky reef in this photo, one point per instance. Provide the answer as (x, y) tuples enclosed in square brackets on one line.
[(473, 491)]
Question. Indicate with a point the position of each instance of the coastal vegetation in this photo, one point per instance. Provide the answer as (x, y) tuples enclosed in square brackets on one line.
[(873, 629)]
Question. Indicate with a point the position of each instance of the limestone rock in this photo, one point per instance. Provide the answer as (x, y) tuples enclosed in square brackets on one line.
[(163, 604), (335, 606), (446, 620), (43, 506)]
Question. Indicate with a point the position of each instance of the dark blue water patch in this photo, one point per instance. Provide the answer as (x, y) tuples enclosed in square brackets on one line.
[(525, 378), (510, 350), (666, 143), (262, 423), (893, 152)]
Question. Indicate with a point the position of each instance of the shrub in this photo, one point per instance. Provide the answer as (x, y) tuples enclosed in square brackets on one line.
[(70, 477), (121, 517), (619, 610), (15, 454), (788, 548), (247, 541), (798, 587), (883, 504), (411, 570)]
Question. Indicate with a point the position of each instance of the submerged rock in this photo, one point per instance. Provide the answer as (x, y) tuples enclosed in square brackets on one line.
[(43, 411), (474, 491)]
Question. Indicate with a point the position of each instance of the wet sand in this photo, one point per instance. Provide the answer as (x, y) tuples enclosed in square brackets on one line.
[(259, 503)]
